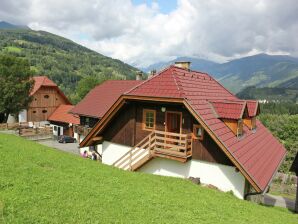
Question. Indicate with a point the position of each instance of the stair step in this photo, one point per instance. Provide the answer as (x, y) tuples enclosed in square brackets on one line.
[(141, 162)]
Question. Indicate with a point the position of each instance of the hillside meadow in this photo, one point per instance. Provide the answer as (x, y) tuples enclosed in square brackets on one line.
[(42, 185)]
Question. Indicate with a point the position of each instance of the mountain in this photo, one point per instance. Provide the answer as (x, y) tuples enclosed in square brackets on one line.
[(196, 64), (62, 60), (260, 70), (6, 25), (276, 94)]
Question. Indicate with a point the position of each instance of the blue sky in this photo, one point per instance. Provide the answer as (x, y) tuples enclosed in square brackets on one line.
[(166, 6)]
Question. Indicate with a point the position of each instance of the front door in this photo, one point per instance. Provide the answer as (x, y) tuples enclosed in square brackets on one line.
[(174, 125), (173, 122)]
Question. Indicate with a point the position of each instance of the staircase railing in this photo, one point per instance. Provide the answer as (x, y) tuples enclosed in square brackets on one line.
[(155, 144)]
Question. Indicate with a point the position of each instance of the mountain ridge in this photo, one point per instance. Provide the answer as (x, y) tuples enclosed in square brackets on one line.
[(7, 25), (261, 70)]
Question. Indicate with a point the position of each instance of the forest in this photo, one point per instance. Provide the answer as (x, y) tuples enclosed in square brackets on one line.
[(62, 60)]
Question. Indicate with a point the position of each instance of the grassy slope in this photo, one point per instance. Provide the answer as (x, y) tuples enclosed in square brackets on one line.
[(41, 185)]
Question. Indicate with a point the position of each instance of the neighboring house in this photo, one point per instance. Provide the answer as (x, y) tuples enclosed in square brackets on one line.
[(184, 123), (46, 98), (294, 169), (62, 121), (97, 102)]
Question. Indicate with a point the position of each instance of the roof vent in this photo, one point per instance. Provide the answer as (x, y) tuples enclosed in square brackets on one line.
[(183, 64)]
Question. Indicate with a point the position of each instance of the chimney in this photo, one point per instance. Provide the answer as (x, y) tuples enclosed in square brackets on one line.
[(183, 64), (139, 75), (152, 73)]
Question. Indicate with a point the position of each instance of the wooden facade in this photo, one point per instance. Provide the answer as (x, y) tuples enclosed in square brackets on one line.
[(127, 128), (44, 102)]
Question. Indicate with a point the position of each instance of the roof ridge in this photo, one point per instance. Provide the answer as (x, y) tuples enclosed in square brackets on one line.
[(178, 85), (227, 101), (147, 80)]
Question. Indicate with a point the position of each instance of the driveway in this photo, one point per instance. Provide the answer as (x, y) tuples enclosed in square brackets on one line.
[(68, 147), (279, 201)]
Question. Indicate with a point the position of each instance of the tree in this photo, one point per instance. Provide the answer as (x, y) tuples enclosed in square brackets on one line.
[(15, 85), (86, 84)]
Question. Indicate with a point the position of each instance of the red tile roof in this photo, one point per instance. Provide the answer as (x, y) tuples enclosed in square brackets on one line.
[(102, 97), (258, 152), (40, 81), (253, 108), (229, 109), (61, 114)]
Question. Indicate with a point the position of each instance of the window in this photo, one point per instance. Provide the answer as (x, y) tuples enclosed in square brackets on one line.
[(46, 96), (44, 111), (198, 132), (149, 119), (55, 128), (34, 112)]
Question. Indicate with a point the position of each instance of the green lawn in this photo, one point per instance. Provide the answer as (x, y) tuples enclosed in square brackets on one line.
[(41, 185)]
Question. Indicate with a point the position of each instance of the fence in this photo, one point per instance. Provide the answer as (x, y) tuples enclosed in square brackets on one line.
[(30, 130)]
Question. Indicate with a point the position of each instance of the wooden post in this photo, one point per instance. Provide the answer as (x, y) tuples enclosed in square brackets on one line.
[(296, 204), (186, 145), (130, 159)]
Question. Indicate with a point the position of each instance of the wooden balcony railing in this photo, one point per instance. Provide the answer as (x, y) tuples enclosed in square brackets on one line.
[(156, 144), (82, 130)]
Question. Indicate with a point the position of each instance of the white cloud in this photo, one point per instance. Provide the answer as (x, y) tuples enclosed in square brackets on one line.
[(140, 35)]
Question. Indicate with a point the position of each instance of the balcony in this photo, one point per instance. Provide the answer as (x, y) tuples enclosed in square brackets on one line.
[(168, 145), (82, 130)]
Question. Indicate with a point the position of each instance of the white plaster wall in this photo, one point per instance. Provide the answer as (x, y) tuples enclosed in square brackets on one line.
[(11, 119), (111, 152), (56, 132), (221, 176), (23, 116), (76, 136)]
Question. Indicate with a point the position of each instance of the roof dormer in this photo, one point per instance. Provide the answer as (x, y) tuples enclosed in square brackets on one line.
[(253, 111), (231, 113)]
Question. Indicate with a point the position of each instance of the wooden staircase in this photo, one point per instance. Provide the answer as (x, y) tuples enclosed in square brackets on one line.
[(156, 144)]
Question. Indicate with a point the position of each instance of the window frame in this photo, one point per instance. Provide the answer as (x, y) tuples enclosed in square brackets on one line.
[(144, 127), (239, 131), (194, 132)]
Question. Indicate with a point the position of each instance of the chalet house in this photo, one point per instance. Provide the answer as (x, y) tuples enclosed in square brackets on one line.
[(183, 123), (97, 102), (46, 98), (62, 121)]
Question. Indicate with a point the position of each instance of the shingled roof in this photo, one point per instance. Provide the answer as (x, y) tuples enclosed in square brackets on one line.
[(229, 109), (257, 153), (102, 97), (44, 81), (61, 114)]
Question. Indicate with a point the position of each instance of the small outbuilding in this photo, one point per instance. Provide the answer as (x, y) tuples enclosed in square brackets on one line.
[(294, 168), (63, 122)]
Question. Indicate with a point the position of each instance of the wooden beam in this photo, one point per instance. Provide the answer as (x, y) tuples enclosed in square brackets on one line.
[(97, 138)]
